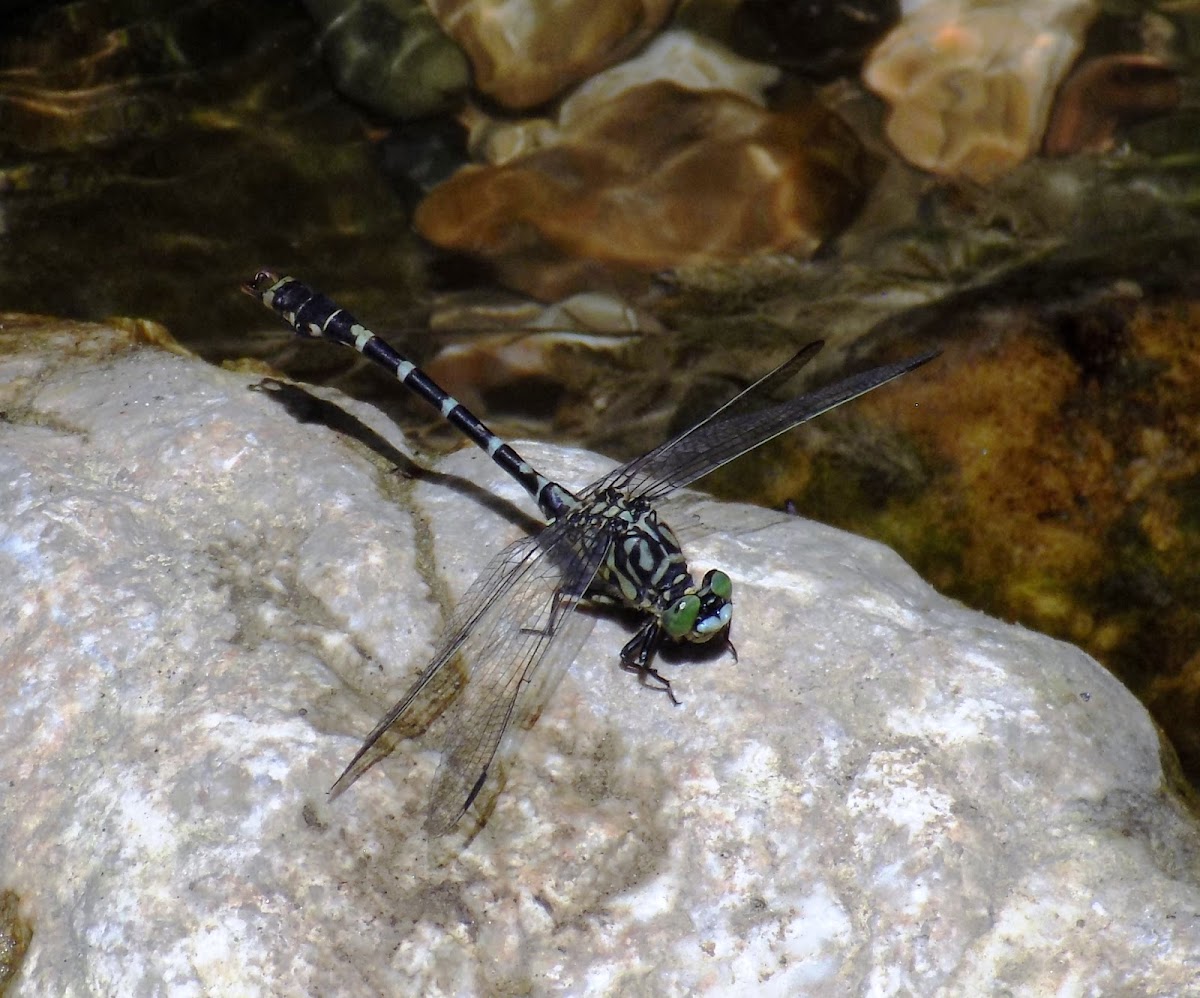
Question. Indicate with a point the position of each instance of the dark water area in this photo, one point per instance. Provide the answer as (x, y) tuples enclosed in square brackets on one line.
[(153, 157)]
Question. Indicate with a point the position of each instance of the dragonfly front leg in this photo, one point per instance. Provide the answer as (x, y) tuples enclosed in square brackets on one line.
[(637, 655), (563, 604)]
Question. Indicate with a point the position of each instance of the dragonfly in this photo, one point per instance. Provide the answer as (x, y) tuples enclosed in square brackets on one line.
[(515, 632)]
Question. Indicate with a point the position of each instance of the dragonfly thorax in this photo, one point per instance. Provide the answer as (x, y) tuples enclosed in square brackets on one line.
[(646, 570)]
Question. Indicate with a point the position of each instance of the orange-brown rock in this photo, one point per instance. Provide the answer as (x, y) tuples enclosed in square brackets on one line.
[(1105, 93), (524, 52), (657, 178)]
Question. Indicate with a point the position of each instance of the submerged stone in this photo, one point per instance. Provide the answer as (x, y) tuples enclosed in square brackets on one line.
[(657, 178), (1104, 94), (970, 83), (524, 52), (391, 56)]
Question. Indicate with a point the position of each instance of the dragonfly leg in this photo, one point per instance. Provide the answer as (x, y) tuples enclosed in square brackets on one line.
[(637, 655), (563, 604)]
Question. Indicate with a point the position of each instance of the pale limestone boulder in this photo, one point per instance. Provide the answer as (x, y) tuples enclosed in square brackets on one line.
[(206, 603)]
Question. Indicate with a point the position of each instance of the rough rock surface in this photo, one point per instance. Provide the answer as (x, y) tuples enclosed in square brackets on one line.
[(206, 603)]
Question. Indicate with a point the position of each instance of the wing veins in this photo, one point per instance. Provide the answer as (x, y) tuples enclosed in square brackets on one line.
[(485, 646), (484, 713), (714, 443)]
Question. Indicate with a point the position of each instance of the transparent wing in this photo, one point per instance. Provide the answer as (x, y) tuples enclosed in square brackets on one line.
[(717, 441), (445, 674), (750, 398), (491, 663), (499, 703)]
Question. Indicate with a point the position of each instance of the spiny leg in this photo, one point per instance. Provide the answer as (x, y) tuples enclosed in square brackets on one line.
[(637, 655), (563, 604)]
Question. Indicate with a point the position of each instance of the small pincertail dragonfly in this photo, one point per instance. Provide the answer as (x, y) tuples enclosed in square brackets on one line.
[(515, 631)]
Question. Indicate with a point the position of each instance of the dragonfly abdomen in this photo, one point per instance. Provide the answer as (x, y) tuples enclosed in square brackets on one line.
[(313, 315)]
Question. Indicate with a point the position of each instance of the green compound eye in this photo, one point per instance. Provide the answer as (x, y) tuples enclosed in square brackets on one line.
[(681, 617), (719, 584)]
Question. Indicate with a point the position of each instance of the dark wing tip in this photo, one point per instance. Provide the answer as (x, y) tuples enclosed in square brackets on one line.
[(917, 360)]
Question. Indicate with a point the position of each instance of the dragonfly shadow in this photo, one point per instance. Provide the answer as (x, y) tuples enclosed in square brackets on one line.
[(305, 407)]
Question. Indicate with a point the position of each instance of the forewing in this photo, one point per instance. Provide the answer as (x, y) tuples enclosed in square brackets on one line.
[(716, 442), (492, 666)]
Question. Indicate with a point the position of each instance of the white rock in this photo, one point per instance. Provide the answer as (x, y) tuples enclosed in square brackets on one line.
[(207, 603)]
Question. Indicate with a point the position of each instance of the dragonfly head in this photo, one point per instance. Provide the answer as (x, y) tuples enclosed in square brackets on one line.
[(703, 612)]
